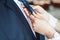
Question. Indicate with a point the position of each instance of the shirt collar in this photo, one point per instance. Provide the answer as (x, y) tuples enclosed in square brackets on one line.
[(15, 0)]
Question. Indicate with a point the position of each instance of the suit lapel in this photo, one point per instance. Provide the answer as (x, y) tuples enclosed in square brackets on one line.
[(39, 37), (12, 5)]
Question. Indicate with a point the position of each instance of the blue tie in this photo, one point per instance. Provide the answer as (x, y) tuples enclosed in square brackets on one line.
[(26, 4)]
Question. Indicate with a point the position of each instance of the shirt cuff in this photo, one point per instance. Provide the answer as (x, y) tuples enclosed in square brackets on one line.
[(56, 36)]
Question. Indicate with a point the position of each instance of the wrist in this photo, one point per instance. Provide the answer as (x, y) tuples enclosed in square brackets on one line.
[(56, 36), (50, 33)]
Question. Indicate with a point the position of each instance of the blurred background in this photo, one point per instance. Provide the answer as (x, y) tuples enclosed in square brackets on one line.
[(52, 6)]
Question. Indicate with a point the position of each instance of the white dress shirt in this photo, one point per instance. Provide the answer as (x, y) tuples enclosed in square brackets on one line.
[(28, 19)]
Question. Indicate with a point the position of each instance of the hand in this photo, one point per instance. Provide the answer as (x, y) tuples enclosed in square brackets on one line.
[(40, 25), (41, 13)]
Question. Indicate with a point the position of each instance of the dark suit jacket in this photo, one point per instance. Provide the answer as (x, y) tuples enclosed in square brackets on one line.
[(13, 25)]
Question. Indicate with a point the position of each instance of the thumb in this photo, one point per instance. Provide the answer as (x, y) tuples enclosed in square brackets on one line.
[(33, 18)]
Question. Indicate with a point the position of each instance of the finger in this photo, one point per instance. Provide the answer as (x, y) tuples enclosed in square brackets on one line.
[(39, 9), (34, 26), (23, 6), (27, 12), (32, 17), (39, 16)]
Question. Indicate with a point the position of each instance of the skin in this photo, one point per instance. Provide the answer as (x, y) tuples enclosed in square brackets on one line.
[(40, 25), (40, 21), (46, 16)]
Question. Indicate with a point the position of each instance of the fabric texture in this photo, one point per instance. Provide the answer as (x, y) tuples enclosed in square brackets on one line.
[(13, 25)]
